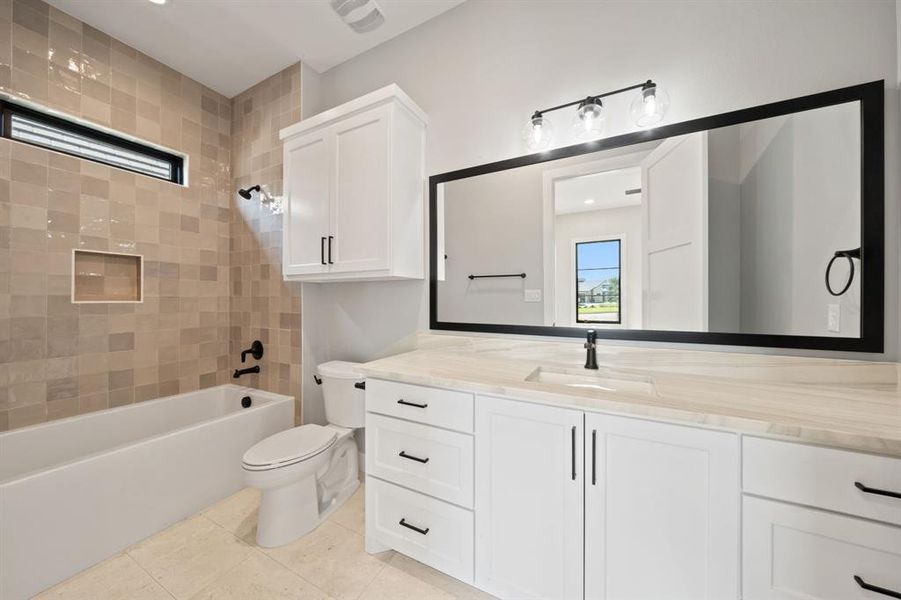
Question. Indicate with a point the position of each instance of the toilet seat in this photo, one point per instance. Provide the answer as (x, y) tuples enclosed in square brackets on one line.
[(289, 447)]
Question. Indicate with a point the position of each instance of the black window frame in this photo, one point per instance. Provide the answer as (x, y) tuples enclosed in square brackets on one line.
[(9, 109), (619, 271)]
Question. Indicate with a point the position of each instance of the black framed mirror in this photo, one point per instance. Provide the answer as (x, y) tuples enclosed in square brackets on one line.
[(757, 227)]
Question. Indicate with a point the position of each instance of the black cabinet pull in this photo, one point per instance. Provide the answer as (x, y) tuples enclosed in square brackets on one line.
[(876, 589), (868, 490), (414, 527), (360, 385), (330, 238), (594, 457), (405, 403), (574, 451), (322, 249), (416, 458)]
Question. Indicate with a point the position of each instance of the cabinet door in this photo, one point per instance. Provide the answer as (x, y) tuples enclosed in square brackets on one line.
[(307, 199), (528, 503), (360, 205), (661, 511), (792, 552)]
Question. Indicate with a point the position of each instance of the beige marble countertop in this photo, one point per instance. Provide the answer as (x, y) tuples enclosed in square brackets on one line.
[(841, 403)]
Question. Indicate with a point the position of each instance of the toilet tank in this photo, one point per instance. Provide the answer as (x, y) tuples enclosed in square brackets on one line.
[(345, 405)]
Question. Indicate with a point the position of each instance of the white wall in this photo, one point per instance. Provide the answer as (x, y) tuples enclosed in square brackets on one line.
[(480, 69)]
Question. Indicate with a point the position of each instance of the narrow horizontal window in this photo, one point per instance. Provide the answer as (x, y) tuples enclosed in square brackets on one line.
[(54, 133)]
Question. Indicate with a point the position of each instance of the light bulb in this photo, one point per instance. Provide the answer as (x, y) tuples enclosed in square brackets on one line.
[(588, 122), (537, 132), (649, 105)]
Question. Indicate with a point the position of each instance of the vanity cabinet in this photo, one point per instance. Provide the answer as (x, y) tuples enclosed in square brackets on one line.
[(353, 191), (530, 500), (811, 522), (656, 498)]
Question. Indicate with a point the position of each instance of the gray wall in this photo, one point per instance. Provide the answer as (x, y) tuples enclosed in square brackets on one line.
[(480, 69)]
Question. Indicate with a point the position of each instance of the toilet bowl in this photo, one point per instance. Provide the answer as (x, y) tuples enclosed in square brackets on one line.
[(305, 473)]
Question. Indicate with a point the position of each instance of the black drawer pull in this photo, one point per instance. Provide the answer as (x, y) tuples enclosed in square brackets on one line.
[(876, 588), (414, 527), (416, 458), (594, 457), (405, 403), (322, 250), (869, 490)]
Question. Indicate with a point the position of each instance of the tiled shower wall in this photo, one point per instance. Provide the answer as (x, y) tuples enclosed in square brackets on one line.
[(57, 358), (263, 306)]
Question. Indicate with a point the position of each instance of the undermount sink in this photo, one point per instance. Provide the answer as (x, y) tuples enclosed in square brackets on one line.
[(601, 379)]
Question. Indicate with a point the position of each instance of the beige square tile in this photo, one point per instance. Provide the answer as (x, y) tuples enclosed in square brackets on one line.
[(260, 578), (350, 515), (117, 577), (394, 584), (436, 579), (333, 559), (237, 514), (188, 556)]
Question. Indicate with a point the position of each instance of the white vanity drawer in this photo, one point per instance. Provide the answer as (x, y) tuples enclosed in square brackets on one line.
[(823, 477), (433, 406), (430, 460), (429, 530), (792, 552)]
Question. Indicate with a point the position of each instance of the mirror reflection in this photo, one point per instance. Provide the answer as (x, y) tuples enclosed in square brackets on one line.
[(724, 230)]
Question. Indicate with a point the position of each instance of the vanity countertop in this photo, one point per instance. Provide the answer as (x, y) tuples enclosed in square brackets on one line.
[(841, 403)]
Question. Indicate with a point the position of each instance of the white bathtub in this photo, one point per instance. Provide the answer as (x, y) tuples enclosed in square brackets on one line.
[(76, 491)]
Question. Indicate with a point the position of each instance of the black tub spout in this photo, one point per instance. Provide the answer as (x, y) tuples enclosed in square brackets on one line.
[(247, 371)]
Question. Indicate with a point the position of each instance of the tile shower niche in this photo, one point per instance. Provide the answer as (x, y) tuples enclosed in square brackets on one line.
[(106, 277)]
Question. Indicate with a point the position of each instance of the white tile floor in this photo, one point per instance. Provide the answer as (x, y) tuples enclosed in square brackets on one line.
[(214, 555)]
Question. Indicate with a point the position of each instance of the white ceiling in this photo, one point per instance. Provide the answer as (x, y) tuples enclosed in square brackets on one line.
[(606, 189), (230, 45)]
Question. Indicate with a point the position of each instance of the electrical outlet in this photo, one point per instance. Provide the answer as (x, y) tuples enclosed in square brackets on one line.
[(531, 295), (834, 321)]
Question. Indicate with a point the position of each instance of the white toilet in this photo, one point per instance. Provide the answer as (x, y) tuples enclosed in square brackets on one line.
[(306, 472)]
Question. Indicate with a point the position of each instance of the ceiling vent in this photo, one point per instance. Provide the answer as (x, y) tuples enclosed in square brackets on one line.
[(361, 15)]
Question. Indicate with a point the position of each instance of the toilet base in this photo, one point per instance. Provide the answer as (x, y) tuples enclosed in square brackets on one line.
[(288, 512)]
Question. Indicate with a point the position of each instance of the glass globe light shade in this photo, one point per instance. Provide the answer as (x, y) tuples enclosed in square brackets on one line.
[(649, 106), (588, 122), (537, 132)]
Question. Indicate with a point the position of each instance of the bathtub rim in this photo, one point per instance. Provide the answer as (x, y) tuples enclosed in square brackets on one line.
[(276, 398)]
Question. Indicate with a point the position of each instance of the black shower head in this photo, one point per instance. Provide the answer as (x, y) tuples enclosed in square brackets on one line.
[(248, 193)]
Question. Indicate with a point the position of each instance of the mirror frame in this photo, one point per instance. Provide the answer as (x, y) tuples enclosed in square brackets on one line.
[(872, 201)]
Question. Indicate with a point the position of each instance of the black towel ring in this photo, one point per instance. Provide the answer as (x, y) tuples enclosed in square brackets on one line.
[(850, 255)]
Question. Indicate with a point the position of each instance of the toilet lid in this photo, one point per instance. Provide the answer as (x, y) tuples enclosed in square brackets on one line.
[(289, 446)]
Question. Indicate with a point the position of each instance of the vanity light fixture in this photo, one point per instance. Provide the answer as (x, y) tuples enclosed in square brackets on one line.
[(647, 109)]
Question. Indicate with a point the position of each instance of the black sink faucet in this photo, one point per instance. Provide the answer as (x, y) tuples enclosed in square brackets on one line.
[(591, 343)]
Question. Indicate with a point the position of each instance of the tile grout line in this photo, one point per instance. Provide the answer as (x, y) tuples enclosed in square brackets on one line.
[(267, 555), (149, 574)]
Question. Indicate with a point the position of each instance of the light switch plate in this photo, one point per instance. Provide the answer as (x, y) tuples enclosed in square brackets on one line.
[(834, 321), (531, 295)]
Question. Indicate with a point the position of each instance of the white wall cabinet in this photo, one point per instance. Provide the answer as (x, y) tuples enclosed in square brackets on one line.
[(353, 191), (529, 482), (661, 511)]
